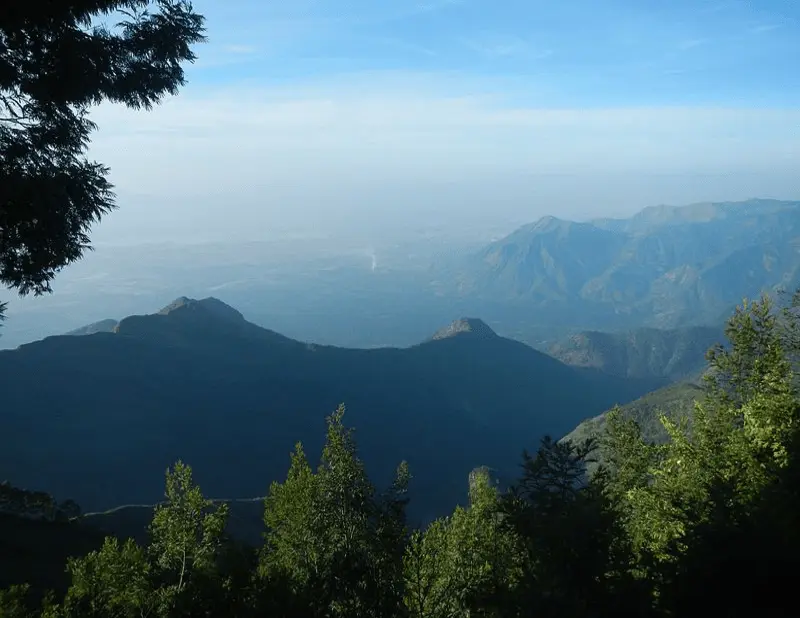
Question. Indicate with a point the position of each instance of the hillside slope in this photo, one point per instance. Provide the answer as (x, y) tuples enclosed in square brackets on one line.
[(674, 401), (98, 418), (673, 354), (665, 267)]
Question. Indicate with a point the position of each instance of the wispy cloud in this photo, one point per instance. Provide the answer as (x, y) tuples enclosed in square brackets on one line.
[(215, 55), (764, 28), (403, 45), (226, 136), (497, 49), (691, 44), (414, 93), (343, 153), (712, 8), (498, 46), (436, 5)]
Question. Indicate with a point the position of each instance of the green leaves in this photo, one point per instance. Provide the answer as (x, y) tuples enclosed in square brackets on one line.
[(186, 531), (53, 67), (15, 602), (178, 574), (335, 542), (295, 541), (718, 478), (114, 581), (466, 564)]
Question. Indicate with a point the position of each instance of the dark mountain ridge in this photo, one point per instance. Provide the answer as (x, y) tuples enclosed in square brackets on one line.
[(99, 418)]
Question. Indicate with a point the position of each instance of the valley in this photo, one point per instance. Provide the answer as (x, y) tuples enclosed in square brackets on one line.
[(439, 309), (110, 405), (463, 400)]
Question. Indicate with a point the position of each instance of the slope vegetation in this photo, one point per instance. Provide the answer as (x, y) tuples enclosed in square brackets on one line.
[(673, 354)]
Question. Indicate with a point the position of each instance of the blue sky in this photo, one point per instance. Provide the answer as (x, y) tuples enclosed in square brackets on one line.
[(374, 113), (565, 52)]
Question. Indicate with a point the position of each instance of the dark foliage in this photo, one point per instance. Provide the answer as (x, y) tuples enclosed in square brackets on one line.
[(57, 60)]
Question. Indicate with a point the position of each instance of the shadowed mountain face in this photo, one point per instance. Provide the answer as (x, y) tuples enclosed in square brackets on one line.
[(642, 353), (665, 267), (99, 418)]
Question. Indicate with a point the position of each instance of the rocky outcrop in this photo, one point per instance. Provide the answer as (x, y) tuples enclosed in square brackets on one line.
[(472, 326), (36, 505)]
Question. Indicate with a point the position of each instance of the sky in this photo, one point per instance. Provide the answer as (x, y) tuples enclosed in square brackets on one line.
[(375, 116)]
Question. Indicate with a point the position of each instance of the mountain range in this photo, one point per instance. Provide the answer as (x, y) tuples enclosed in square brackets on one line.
[(666, 267), (99, 417)]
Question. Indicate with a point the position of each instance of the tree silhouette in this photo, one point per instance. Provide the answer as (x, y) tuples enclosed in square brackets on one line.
[(57, 59)]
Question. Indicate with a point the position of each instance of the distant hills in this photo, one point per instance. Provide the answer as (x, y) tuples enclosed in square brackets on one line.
[(103, 326), (672, 354), (665, 267), (98, 418)]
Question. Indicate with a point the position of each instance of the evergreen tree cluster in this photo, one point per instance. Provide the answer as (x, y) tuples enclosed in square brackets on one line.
[(708, 522)]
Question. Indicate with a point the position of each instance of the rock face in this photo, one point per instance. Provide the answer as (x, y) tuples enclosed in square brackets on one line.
[(103, 326), (472, 326), (208, 306), (36, 505)]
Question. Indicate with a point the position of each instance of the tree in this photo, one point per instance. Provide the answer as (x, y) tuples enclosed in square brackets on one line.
[(186, 539), (569, 533), (467, 564), (112, 581), (331, 538), (713, 511), (15, 602), (56, 61), (178, 574)]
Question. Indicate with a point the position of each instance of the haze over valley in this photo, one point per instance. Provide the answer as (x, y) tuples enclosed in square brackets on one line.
[(665, 267), (399, 309)]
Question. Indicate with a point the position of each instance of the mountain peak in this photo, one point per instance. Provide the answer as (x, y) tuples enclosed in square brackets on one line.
[(549, 223), (212, 307), (473, 326), (181, 301), (548, 220)]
